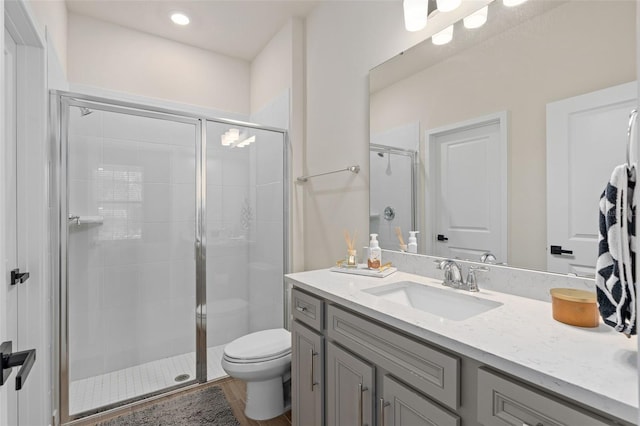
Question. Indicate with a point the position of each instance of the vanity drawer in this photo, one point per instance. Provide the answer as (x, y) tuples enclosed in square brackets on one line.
[(503, 402), (435, 373), (307, 309)]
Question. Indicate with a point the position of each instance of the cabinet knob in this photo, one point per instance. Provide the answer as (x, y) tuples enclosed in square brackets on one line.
[(301, 308)]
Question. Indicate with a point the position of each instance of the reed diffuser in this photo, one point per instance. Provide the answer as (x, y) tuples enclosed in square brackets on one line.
[(403, 246), (352, 256)]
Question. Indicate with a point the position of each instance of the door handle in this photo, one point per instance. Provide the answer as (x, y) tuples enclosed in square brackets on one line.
[(18, 277), (8, 360), (441, 237), (559, 251)]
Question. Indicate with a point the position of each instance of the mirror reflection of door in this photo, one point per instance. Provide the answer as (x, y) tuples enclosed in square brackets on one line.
[(586, 139), (468, 199)]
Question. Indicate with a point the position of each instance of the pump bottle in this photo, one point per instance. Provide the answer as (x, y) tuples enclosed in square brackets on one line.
[(375, 253), (412, 247)]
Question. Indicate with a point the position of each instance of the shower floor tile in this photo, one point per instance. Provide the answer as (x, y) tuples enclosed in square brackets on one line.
[(99, 391)]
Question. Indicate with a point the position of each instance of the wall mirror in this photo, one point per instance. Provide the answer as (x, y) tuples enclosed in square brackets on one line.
[(515, 126)]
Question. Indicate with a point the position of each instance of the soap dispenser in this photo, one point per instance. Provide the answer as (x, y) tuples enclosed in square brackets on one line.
[(413, 242), (375, 253)]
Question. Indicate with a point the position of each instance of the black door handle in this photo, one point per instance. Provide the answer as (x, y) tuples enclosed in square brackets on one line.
[(18, 277), (8, 360), (558, 250), (441, 237)]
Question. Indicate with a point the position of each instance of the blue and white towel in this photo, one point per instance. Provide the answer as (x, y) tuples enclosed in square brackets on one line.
[(615, 278)]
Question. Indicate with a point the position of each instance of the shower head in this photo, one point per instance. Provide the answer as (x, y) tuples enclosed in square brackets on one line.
[(85, 111)]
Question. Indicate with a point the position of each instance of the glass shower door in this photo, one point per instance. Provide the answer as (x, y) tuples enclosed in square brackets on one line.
[(245, 228), (131, 268)]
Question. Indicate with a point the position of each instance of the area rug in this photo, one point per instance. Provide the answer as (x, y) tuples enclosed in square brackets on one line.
[(205, 407)]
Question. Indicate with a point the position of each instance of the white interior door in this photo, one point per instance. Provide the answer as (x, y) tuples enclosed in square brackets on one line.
[(9, 293), (586, 139), (469, 196)]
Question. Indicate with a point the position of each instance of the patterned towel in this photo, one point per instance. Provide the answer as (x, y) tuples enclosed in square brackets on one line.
[(615, 280)]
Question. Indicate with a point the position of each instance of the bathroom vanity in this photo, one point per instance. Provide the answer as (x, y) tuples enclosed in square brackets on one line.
[(404, 350)]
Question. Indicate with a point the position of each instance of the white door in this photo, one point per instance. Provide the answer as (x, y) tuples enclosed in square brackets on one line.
[(586, 139), (8, 230), (468, 201)]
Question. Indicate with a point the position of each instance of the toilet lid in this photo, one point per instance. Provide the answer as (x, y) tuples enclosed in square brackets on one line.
[(262, 345)]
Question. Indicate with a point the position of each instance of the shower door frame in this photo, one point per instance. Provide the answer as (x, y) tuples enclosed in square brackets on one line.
[(413, 155), (59, 104)]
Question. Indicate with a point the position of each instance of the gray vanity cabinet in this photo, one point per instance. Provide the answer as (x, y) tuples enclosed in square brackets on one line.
[(307, 376), (402, 406), (379, 376), (350, 389)]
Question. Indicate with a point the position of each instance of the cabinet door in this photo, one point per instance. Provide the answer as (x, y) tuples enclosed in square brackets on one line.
[(402, 406), (504, 402), (307, 376), (350, 389)]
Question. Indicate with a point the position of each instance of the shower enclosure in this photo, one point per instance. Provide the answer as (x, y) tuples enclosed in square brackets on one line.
[(172, 233), (392, 193)]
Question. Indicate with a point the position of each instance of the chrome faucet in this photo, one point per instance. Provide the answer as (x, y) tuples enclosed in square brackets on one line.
[(453, 275)]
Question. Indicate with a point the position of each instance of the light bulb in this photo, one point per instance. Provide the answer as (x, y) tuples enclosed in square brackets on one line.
[(477, 18), (443, 37), (448, 5), (180, 18), (415, 14), (512, 2)]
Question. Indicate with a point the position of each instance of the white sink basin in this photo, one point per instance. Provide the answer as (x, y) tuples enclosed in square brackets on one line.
[(452, 305)]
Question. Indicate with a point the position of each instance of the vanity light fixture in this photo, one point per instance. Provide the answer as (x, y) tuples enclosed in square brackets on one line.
[(443, 37), (512, 2), (180, 18), (477, 18), (448, 5), (415, 14)]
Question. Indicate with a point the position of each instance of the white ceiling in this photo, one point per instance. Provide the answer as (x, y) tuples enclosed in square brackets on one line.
[(237, 28)]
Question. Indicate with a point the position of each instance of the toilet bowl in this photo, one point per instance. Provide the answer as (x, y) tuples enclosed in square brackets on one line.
[(263, 361)]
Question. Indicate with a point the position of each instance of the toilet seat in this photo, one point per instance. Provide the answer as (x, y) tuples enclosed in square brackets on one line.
[(260, 346), (256, 360)]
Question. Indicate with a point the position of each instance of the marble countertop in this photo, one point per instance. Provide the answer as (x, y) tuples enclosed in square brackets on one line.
[(594, 366)]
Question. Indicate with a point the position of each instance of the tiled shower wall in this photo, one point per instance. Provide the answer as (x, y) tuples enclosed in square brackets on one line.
[(132, 277)]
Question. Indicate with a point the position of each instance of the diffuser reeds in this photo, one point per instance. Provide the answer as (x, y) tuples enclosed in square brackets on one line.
[(403, 245), (352, 259)]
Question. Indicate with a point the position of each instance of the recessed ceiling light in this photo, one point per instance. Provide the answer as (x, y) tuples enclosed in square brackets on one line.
[(511, 3), (180, 18)]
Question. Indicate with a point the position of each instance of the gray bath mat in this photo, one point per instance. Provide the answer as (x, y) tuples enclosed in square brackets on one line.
[(204, 407)]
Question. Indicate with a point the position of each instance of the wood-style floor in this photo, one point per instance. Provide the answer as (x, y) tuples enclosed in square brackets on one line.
[(234, 391)]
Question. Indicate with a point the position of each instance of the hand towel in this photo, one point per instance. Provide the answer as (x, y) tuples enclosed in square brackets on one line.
[(615, 278)]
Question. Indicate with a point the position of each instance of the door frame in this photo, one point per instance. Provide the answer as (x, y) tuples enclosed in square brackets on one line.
[(35, 319), (432, 179)]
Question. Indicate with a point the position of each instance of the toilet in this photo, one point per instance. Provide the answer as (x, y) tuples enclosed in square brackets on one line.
[(262, 360)]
